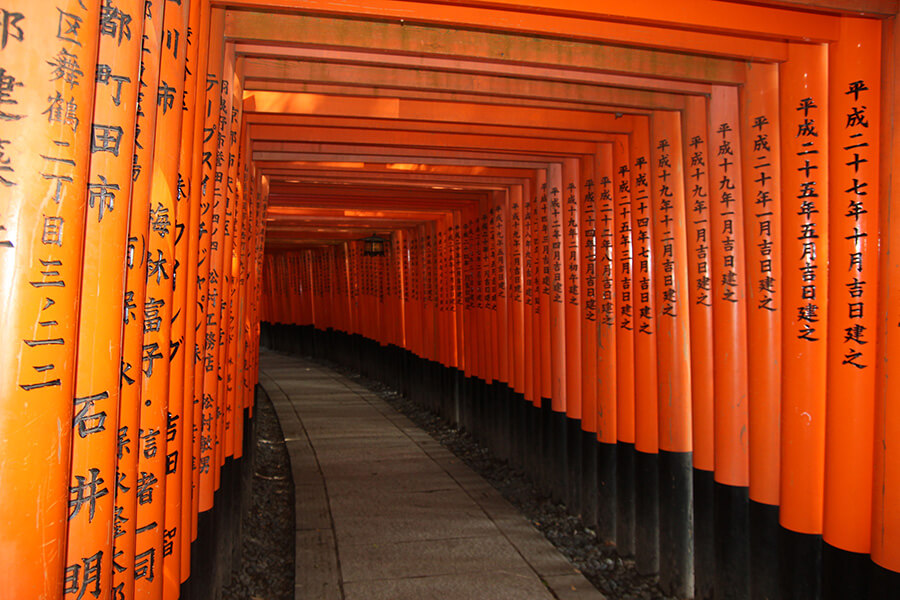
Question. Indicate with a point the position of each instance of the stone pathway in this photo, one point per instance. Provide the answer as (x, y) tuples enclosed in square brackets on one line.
[(383, 511)]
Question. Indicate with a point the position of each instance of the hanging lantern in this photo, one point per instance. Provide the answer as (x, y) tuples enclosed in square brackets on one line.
[(373, 246)]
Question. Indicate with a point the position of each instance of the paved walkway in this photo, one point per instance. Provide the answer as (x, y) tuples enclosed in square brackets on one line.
[(385, 512)]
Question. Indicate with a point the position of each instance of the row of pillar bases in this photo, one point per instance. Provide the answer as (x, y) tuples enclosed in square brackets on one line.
[(702, 538)]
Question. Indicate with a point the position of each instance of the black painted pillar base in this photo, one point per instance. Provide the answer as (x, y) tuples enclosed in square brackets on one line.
[(731, 516), (589, 479), (545, 483), (560, 453), (607, 492), (625, 490), (646, 522), (801, 564), (529, 443), (676, 524), (846, 575), (574, 481), (520, 437), (885, 584), (704, 536), (764, 566)]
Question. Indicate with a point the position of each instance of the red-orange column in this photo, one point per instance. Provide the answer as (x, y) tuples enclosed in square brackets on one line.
[(49, 57), (698, 198), (181, 408), (645, 369), (529, 294), (191, 166), (232, 419), (588, 338), (224, 161), (136, 264), (886, 484), (600, 224), (541, 349), (542, 309), (501, 310), (455, 305), (729, 292), (854, 109), (459, 301), (571, 254), (152, 574), (211, 236), (673, 355), (623, 268), (516, 280), (353, 275), (557, 317), (805, 185), (590, 305), (762, 215), (92, 517)]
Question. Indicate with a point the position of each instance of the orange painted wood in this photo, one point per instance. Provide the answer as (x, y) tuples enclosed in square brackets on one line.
[(212, 213), (153, 577), (588, 276), (729, 290), (646, 429), (570, 200), (761, 171), (191, 166), (93, 524), (699, 198), (133, 366), (854, 105), (886, 485), (517, 294), (803, 83), (555, 286), (606, 237), (624, 261), (49, 65), (671, 281)]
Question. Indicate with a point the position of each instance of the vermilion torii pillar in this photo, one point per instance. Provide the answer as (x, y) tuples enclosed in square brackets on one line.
[(97, 428), (49, 60)]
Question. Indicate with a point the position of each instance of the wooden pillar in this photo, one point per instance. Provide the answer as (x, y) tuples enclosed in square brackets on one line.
[(886, 485), (557, 319), (698, 200), (49, 59), (625, 303), (131, 407), (152, 575), (212, 180), (645, 366), (588, 336), (673, 355), (729, 298), (603, 198), (93, 519), (761, 171), (190, 166), (805, 184), (854, 115), (570, 199)]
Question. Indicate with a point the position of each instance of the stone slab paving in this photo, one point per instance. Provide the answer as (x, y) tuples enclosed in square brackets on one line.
[(383, 511)]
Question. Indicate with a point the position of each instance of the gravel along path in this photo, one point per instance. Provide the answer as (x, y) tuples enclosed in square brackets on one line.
[(266, 569)]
